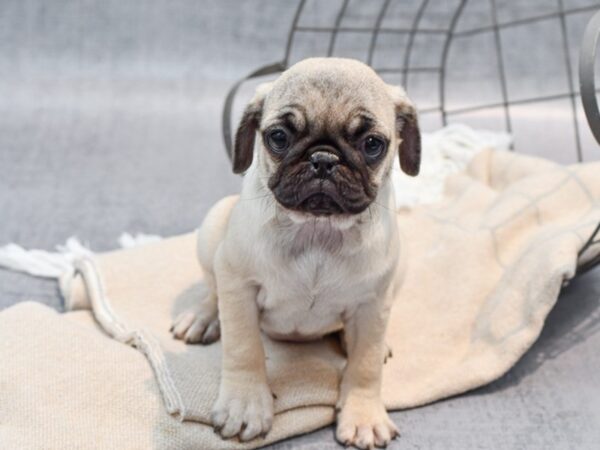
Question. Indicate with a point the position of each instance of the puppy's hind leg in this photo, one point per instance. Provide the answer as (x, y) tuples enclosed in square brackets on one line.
[(201, 323)]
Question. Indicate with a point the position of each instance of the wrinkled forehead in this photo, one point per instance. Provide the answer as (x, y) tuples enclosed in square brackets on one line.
[(338, 102)]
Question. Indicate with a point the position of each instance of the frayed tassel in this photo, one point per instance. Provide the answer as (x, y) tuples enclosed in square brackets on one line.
[(445, 152), (45, 264), (41, 263)]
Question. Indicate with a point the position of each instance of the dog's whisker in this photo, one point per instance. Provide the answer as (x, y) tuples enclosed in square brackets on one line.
[(384, 206)]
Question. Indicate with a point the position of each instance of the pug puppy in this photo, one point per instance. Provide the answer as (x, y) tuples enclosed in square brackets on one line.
[(311, 245)]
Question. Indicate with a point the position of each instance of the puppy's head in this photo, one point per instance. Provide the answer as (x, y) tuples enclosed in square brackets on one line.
[(328, 130)]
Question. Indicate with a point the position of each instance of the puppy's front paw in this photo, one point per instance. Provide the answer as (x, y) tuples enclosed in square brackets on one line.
[(244, 410), (197, 326), (365, 424)]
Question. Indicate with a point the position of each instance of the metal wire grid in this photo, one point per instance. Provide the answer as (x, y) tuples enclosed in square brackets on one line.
[(448, 33)]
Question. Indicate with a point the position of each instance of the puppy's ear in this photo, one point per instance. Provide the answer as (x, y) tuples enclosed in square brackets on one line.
[(245, 135), (407, 127)]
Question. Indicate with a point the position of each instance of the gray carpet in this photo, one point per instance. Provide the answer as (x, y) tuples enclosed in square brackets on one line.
[(110, 122)]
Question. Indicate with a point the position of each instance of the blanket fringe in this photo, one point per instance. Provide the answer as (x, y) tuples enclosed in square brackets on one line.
[(445, 152), (61, 263)]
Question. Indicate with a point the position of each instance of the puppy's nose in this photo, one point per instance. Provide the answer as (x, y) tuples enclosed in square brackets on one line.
[(323, 163)]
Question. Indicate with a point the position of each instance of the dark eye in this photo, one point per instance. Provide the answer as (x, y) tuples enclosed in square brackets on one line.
[(373, 146), (277, 140)]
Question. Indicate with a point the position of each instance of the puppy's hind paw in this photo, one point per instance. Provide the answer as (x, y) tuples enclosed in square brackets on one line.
[(196, 327)]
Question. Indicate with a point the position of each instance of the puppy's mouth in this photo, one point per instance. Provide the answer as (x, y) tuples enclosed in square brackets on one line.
[(318, 198), (299, 190), (321, 204)]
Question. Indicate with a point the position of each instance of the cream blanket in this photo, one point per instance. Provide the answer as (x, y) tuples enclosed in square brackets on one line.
[(486, 266)]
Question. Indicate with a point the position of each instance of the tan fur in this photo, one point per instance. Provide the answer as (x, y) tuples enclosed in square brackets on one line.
[(296, 276)]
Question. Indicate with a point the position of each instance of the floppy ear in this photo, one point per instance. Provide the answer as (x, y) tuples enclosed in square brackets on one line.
[(245, 135), (407, 127)]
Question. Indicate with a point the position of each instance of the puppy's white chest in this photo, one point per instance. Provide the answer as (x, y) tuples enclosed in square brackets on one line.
[(306, 296)]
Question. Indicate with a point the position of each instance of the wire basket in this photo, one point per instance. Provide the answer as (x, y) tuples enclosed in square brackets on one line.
[(521, 56)]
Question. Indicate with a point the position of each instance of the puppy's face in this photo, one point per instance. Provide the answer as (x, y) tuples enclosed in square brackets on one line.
[(329, 129)]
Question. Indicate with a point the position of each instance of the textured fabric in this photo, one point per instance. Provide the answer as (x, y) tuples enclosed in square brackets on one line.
[(486, 267), (66, 385)]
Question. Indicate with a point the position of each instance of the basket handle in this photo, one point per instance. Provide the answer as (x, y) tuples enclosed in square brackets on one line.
[(228, 105), (587, 83)]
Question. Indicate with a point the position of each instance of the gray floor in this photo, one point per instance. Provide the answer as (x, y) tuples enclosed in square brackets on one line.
[(110, 122)]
